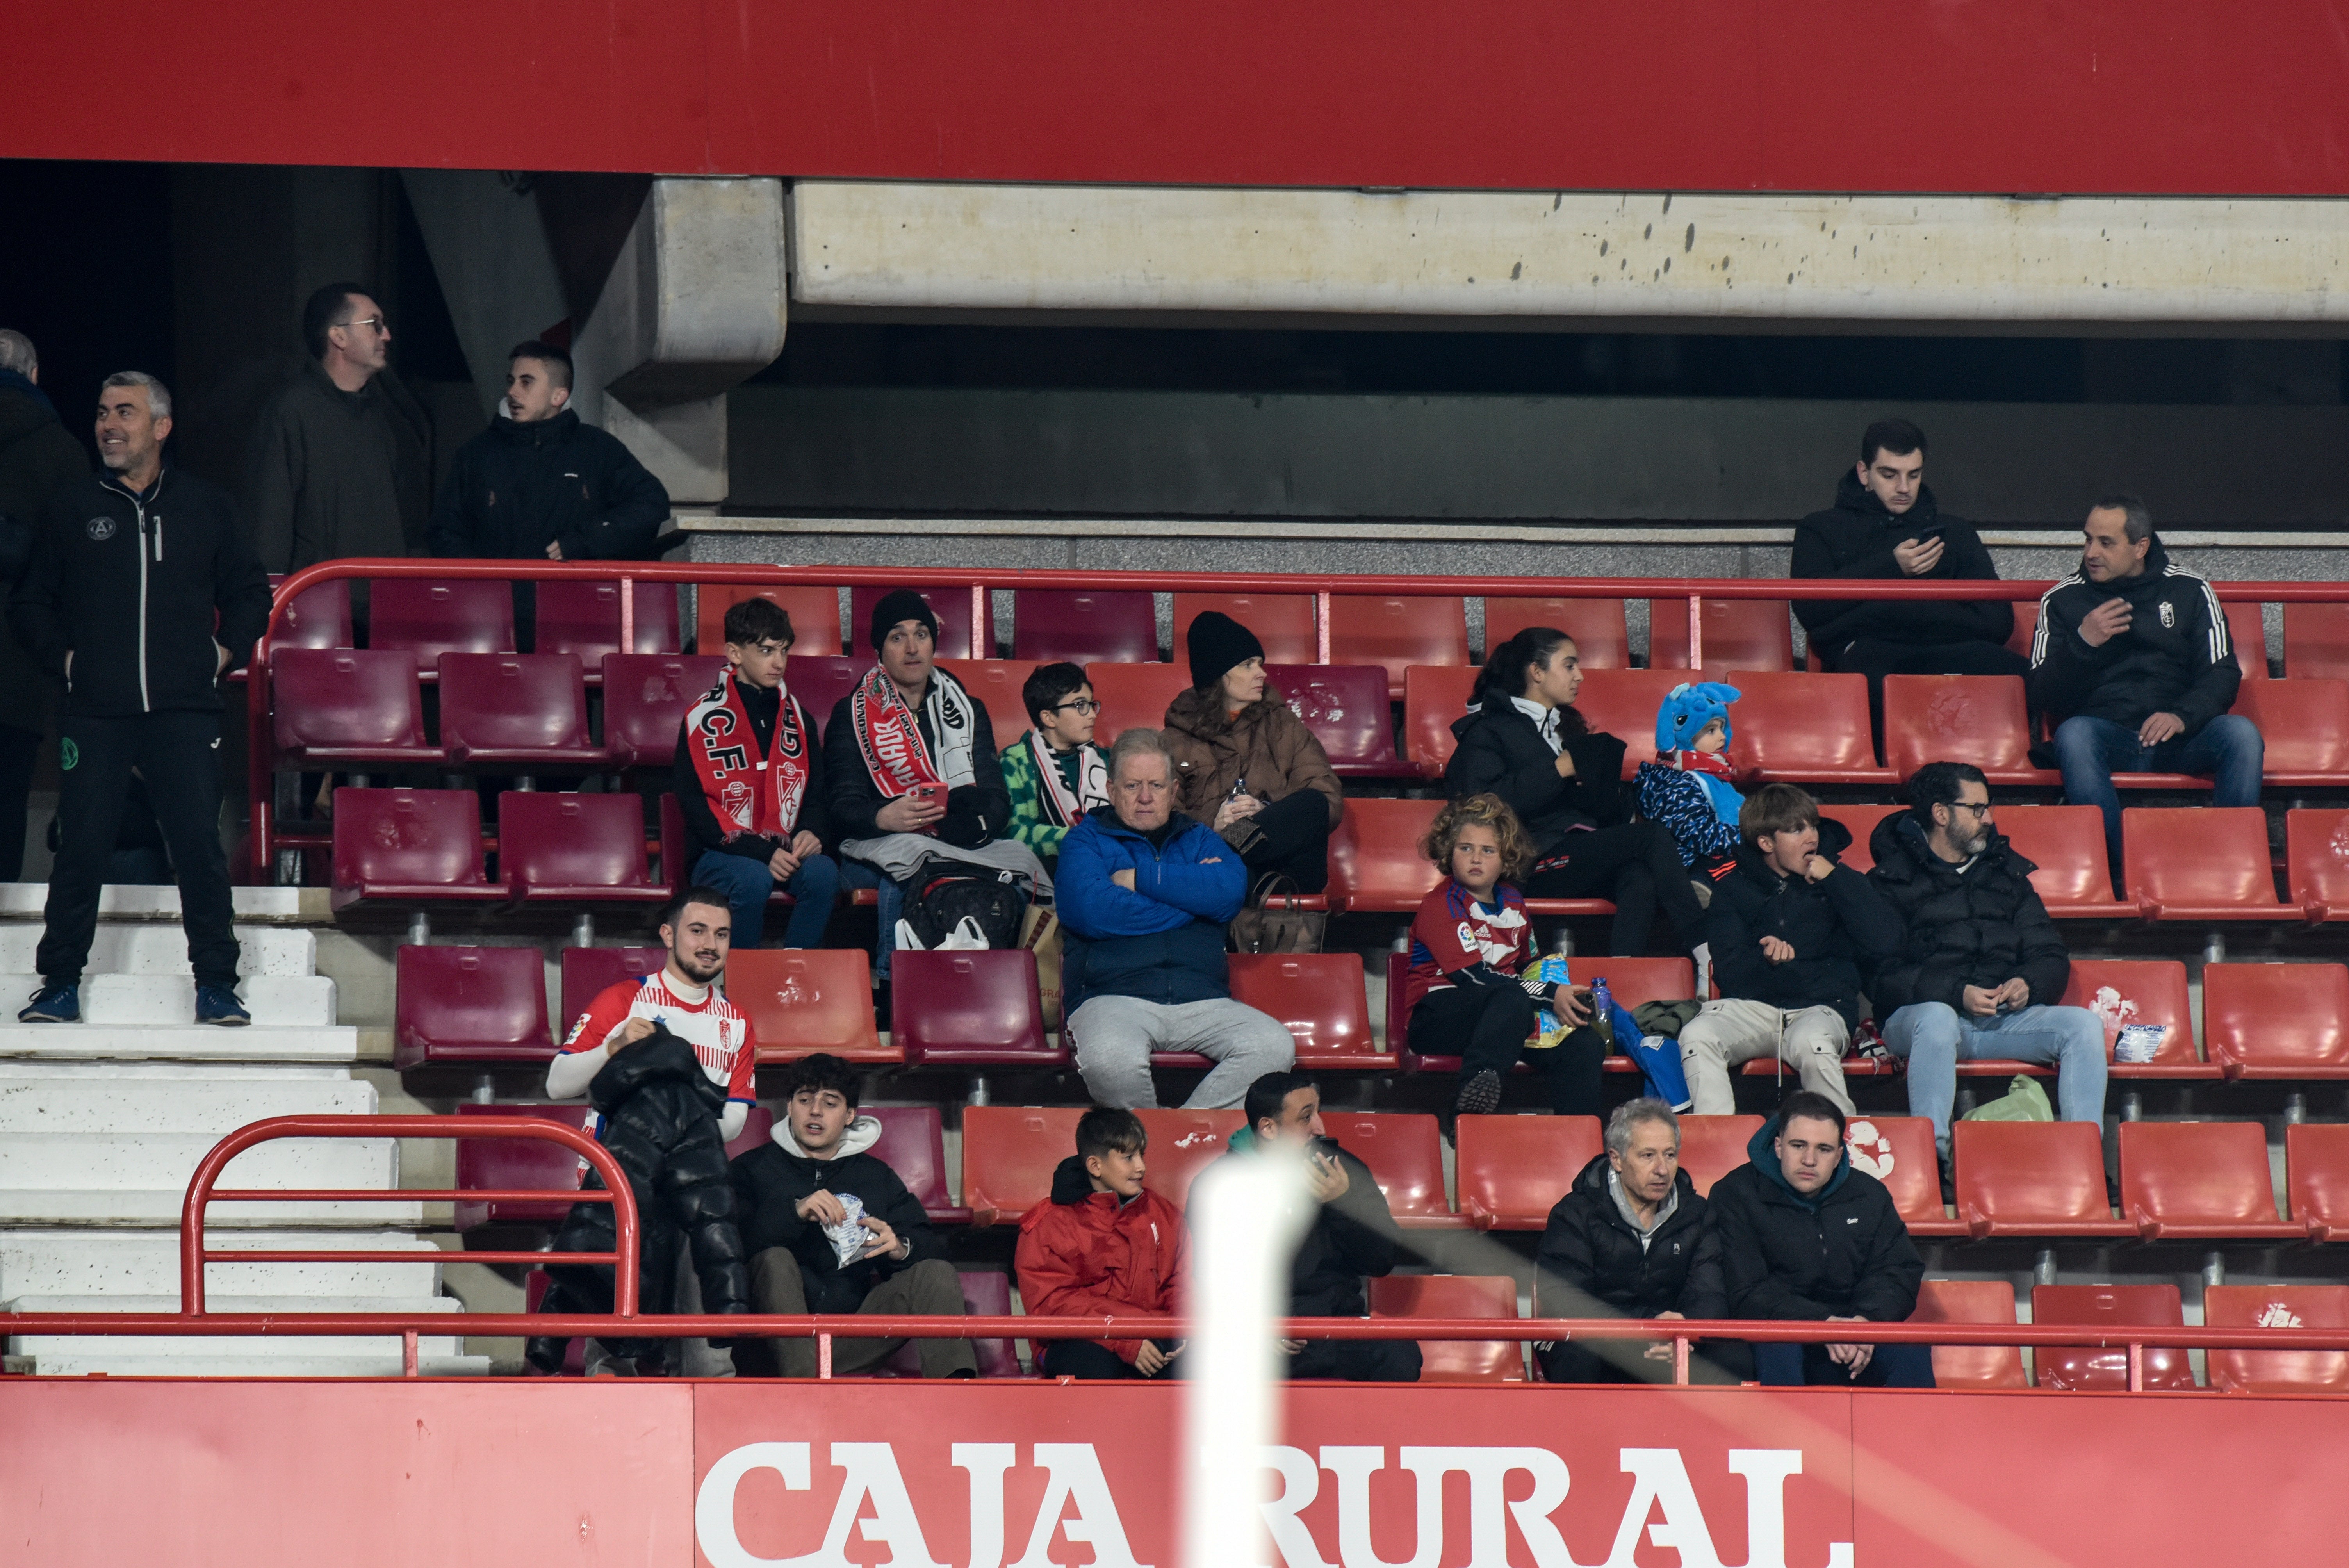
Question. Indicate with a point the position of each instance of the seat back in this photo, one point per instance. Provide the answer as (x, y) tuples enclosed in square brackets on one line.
[(1512, 1169), (1861, 821), (1434, 697), (1345, 706), (1283, 623), (1404, 1154), (582, 616), (1009, 1155), (1455, 1295), (518, 1165), (1398, 632), (2316, 641), (2277, 1016), (954, 1007), (1114, 625), (2198, 855), (1800, 726), (550, 840), (319, 617), (465, 615), (1133, 696), (502, 702), (1739, 635), (1597, 626), (1979, 720), (2277, 1307), (2197, 1173), (2303, 724), (1623, 703), (1319, 998), (645, 699), (2027, 626), (950, 605), (803, 1000), (814, 610), (1181, 1144), (589, 972), (1713, 1146), (2018, 1174), (2316, 1175), (2121, 991), (470, 1004), (2247, 633), (2317, 853), (2067, 844), (986, 1292), (342, 697), (758, 1126), (913, 1143), (2109, 1307), (820, 684), (1971, 1301), (1898, 1151), (996, 684), (1374, 859), (1635, 981), (407, 838)]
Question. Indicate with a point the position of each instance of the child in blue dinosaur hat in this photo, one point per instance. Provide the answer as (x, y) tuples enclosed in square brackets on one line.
[(1688, 787)]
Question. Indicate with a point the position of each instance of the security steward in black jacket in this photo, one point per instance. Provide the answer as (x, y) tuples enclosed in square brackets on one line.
[(143, 590)]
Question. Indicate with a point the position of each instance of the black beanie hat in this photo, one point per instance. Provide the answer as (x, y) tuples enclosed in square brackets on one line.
[(899, 604), (1216, 645)]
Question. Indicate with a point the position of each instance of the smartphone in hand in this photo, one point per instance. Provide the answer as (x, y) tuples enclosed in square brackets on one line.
[(929, 795)]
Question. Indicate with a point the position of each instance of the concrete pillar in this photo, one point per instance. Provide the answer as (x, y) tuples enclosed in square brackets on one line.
[(496, 269)]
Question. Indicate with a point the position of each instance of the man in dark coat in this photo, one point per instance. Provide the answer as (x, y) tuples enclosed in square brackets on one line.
[(1804, 1237), (1631, 1239), (38, 458), (1979, 968)]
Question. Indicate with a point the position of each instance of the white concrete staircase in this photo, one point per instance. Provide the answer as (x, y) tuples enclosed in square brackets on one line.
[(103, 1122)]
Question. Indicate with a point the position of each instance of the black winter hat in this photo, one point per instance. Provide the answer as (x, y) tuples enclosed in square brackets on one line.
[(899, 604), (1216, 645)]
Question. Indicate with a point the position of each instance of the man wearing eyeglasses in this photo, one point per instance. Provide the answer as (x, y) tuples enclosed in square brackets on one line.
[(342, 463), (1980, 967), (1054, 773)]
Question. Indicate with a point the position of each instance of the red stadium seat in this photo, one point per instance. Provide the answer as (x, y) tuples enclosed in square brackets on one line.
[(1623, 703), (1346, 707), (1739, 635), (1084, 625), (1803, 727), (588, 972), (645, 699), (2067, 843), (1435, 697), (2193, 1181), (1979, 720), (1971, 1301), (996, 684), (758, 1126), (348, 706), (1455, 1295), (971, 1009), (1181, 1144), (2246, 632), (913, 1143), (1009, 1155), (2026, 624), (1134, 696), (523, 711), (2138, 992), (2032, 1179), (2199, 864), (1398, 633), (470, 1007), (495, 1164), (1512, 1169), (2316, 861), (582, 850), (1861, 821), (2277, 1020), (582, 616), (815, 611), (1283, 623), (319, 617), (400, 849), (2305, 727), (1601, 640), (2277, 1307), (986, 1292), (465, 615), (1374, 859), (2316, 1177), (1406, 1155), (1898, 1151), (820, 683), (950, 605), (1319, 999), (1713, 1146), (2118, 1306), (2316, 641), (803, 1000)]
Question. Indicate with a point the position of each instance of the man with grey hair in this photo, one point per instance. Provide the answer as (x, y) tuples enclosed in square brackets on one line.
[(2133, 657), (1631, 1239), (1145, 894), (38, 458)]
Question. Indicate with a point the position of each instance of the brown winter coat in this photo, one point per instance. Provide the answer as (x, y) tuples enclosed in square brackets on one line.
[(1268, 746)]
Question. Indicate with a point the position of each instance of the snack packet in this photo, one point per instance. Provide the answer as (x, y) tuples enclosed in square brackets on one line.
[(848, 1237)]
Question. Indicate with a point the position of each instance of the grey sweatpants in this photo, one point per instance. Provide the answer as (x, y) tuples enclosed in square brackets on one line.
[(1113, 1037)]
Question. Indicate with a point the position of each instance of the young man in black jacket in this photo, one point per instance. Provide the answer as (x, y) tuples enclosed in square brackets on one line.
[(794, 1195), (1804, 1237), (2133, 656), (1793, 933), (1630, 1238), (38, 458), (143, 592)]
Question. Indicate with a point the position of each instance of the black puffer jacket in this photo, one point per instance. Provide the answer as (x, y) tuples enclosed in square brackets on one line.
[(770, 1181), (1841, 1252), (1854, 538), (660, 1122), (1983, 928), (1840, 927), (1590, 1258), (1501, 751), (516, 488), (1354, 1236), (2176, 657)]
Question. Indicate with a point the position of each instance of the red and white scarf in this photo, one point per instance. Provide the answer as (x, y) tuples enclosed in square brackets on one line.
[(1062, 806), (890, 737), (1690, 760), (723, 748)]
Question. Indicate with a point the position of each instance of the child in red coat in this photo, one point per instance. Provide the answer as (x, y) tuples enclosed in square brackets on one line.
[(1103, 1245)]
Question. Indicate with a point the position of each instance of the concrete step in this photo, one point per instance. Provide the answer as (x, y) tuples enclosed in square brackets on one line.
[(274, 1000), (180, 1043), (214, 1361), (119, 1263), (168, 1096), (151, 948), (34, 1161), (159, 1207), (275, 905), (170, 1354)]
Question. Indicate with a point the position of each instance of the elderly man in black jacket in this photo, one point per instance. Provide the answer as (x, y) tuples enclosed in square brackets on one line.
[(1793, 933), (1980, 967), (1804, 1237), (1630, 1238)]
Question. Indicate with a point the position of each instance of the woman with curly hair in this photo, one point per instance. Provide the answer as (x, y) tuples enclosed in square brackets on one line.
[(1474, 985), (1247, 767)]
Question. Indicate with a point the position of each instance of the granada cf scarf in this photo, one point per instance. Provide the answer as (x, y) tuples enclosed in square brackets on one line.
[(749, 793), (1062, 807), (890, 738), (1714, 772)]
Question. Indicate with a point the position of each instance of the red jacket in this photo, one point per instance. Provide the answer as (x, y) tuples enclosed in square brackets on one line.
[(1088, 1254)]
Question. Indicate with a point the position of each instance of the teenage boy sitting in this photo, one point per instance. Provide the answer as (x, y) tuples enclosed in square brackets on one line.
[(1103, 1246), (748, 778), (792, 1195), (1054, 773)]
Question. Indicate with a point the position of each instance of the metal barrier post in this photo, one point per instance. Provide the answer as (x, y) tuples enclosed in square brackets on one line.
[(1681, 1360), (1696, 638)]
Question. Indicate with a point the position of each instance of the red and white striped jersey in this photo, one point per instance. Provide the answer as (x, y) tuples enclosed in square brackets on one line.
[(715, 1029)]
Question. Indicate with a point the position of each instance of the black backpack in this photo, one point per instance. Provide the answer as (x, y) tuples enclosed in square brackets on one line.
[(943, 893)]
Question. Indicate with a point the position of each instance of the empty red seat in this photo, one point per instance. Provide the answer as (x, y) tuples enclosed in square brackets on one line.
[(2277, 1020), (2247, 633), (1434, 697), (1623, 703), (1405, 1153), (1133, 696), (1009, 1155), (2316, 641), (1811, 728), (1397, 633), (912, 1144), (2316, 1177), (347, 706), (952, 606), (970, 1009), (518, 710), (986, 1292), (758, 1126), (588, 972), (1112, 626), (576, 850), (1979, 720), (464, 616), (1513, 1170), (803, 1000), (2032, 1179), (1283, 623), (2277, 1307), (995, 684), (1346, 707), (1374, 859), (1455, 1295), (1601, 640), (814, 610), (580, 615), (1898, 1151), (1861, 821), (1713, 1146), (1971, 1301), (398, 850), (2116, 1306), (2149, 993), (1319, 998), (2305, 727), (319, 617), (645, 699), (2316, 861), (2066, 844), (470, 1006), (518, 1165), (820, 683), (1739, 635), (2199, 1180), (2199, 862), (1182, 1143)]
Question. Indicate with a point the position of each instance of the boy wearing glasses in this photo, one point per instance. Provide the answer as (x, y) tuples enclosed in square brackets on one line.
[(1055, 773)]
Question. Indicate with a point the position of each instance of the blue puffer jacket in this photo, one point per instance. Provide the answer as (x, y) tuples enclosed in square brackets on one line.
[(1163, 942)]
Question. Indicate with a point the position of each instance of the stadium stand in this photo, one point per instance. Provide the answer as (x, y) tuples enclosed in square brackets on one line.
[(645, 696), (1406, 1156), (996, 684), (2306, 725), (583, 618), (397, 850), (2277, 1307), (1133, 696), (1861, 821), (1807, 727), (576, 852), (950, 605), (1433, 697), (1898, 1151), (319, 618), (1345, 706), (814, 610), (1512, 1169), (1319, 998), (912, 1144), (818, 683), (340, 707), (2032, 1179), (470, 1007), (2277, 1020), (2067, 843), (1397, 633), (2316, 1177), (1739, 635), (1981, 718), (1971, 1365), (1623, 702), (490, 1164), (2123, 991), (1083, 626), (2109, 1305), (584, 973), (1597, 626), (1455, 1295), (2199, 863), (971, 1009), (2316, 641), (1713, 1146), (1008, 1154), (2191, 1180), (2316, 862), (522, 713), (801, 1000), (1283, 623), (461, 615), (1182, 1143)]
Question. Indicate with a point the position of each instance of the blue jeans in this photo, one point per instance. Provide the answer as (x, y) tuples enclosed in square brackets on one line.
[(1935, 1037), (1892, 1366), (748, 884), (856, 873), (2090, 750)]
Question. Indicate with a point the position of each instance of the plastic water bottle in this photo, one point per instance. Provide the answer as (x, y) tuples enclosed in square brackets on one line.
[(1602, 1010)]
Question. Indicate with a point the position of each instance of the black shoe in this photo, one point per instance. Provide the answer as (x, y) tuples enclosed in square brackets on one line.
[(1948, 1181), (1480, 1094)]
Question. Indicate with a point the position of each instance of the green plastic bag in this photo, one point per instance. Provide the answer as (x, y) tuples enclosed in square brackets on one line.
[(2024, 1101)]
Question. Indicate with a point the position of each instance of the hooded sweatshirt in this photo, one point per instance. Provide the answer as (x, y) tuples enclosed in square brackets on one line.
[(1090, 1254), (2176, 657), (1840, 1252), (1854, 538), (770, 1182)]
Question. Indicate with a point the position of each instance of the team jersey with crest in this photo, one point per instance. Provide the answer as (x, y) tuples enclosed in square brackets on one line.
[(1452, 930), (715, 1029)]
